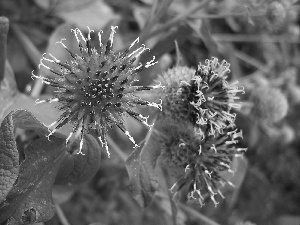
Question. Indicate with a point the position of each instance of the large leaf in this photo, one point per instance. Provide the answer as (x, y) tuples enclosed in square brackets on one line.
[(77, 168), (9, 158), (140, 165), (30, 200), (28, 194)]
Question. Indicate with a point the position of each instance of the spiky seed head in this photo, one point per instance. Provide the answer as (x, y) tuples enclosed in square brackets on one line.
[(202, 96), (173, 103), (269, 104), (202, 160), (95, 88)]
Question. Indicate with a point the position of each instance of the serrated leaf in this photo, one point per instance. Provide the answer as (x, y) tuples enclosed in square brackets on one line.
[(30, 200), (77, 168), (140, 166)]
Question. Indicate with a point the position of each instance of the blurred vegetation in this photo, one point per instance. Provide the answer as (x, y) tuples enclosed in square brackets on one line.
[(260, 39)]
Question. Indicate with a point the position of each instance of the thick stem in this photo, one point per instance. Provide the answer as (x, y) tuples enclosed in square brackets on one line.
[(4, 24)]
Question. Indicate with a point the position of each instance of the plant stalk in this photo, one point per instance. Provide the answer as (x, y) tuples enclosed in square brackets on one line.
[(4, 25)]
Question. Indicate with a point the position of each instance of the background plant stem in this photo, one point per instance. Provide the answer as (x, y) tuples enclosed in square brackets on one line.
[(4, 24)]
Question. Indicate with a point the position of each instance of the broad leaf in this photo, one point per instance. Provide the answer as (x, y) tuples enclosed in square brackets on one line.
[(9, 158), (30, 200), (140, 165), (77, 168), (28, 195)]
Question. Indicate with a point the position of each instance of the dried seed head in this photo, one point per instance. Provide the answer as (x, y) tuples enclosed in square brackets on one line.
[(203, 97), (269, 104), (203, 160), (94, 88)]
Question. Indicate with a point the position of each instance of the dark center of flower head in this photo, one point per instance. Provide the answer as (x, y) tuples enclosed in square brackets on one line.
[(95, 88), (210, 98)]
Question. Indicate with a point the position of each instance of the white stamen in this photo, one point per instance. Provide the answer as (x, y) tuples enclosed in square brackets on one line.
[(131, 139), (80, 147), (99, 35), (76, 32), (156, 105), (221, 194), (111, 36), (89, 34), (231, 184), (61, 42), (68, 138), (52, 132), (151, 63), (133, 43)]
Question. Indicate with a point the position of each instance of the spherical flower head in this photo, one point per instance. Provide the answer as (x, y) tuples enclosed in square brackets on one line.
[(203, 160), (173, 104), (204, 97), (269, 104), (95, 88)]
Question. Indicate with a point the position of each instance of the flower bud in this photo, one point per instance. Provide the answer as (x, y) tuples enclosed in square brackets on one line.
[(269, 104), (276, 16)]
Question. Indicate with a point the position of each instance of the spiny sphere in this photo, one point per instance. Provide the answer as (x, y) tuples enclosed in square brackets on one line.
[(203, 160), (203, 97), (95, 87), (173, 104), (269, 104)]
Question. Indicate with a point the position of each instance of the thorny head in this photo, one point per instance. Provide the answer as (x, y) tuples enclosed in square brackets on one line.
[(203, 160), (203, 97), (95, 88)]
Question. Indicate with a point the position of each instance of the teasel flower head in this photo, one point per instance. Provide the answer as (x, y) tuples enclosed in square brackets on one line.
[(202, 96), (202, 160), (95, 88)]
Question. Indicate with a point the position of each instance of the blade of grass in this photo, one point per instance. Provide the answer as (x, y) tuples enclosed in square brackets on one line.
[(158, 10), (33, 54)]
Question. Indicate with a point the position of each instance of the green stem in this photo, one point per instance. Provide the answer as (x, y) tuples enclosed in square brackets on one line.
[(4, 25), (116, 149), (197, 214), (179, 18), (63, 219)]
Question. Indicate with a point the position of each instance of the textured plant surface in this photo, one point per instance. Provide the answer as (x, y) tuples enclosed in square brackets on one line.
[(212, 112)]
